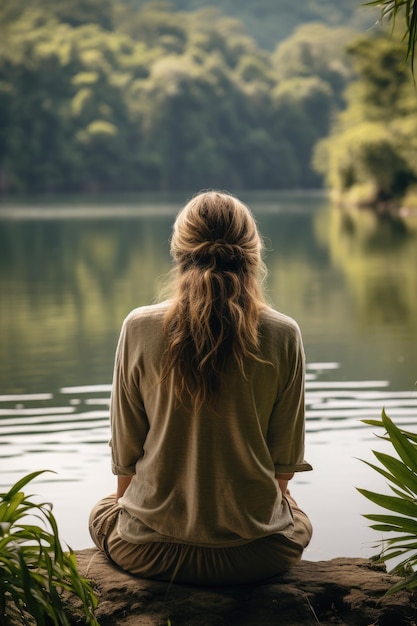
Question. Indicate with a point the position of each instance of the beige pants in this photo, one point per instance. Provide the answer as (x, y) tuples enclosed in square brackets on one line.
[(182, 563)]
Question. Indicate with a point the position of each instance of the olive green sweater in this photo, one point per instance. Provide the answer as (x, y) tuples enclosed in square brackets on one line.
[(208, 478)]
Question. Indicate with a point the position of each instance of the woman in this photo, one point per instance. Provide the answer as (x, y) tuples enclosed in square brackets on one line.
[(207, 416)]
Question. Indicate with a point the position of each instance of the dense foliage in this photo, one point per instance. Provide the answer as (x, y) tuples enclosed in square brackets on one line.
[(400, 471), (35, 572), (99, 95), (370, 156), (270, 21)]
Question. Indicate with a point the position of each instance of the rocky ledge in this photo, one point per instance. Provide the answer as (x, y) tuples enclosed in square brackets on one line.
[(343, 591)]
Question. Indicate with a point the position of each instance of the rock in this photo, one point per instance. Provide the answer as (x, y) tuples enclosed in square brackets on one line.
[(343, 591)]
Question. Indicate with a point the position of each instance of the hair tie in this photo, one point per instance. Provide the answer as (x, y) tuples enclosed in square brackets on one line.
[(219, 254)]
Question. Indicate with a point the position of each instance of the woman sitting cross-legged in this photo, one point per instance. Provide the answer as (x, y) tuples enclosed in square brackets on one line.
[(207, 416)]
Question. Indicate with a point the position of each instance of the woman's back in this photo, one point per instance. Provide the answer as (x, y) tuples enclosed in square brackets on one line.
[(207, 476)]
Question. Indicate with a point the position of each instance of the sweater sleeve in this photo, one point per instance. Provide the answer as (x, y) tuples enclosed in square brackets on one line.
[(286, 432), (128, 420)]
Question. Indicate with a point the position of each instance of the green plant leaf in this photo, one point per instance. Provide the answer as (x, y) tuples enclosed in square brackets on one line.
[(22, 483), (401, 475), (404, 448), (390, 554), (406, 565), (403, 494), (410, 582), (411, 436), (392, 540), (392, 503), (34, 569), (394, 522), (13, 505), (392, 549), (389, 476), (373, 422)]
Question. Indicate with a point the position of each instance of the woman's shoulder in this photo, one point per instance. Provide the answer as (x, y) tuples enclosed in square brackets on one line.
[(279, 333), (148, 314), (275, 319), (275, 326)]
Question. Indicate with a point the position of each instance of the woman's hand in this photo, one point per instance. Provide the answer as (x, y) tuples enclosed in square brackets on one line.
[(123, 483), (283, 481)]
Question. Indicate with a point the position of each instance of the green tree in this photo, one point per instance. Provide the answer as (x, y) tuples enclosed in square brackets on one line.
[(302, 110), (63, 90), (73, 12), (152, 98), (34, 93), (370, 155), (272, 21), (316, 50)]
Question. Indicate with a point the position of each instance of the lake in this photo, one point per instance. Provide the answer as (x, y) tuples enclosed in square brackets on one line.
[(70, 271)]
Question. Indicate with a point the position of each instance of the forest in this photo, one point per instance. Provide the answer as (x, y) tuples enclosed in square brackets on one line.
[(99, 95), (271, 21)]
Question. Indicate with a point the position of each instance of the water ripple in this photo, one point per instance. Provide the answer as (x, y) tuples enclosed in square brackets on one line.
[(31, 422)]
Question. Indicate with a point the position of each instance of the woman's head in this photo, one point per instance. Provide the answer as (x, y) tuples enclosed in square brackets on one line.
[(217, 294), (217, 231)]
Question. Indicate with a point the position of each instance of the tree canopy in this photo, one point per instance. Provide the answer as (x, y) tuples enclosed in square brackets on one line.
[(370, 156), (98, 95), (271, 21), (135, 95)]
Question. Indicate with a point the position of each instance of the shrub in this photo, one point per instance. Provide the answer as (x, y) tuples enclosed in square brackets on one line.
[(35, 572), (401, 474)]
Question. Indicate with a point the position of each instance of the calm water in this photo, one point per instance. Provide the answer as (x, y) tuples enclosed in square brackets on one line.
[(70, 272)]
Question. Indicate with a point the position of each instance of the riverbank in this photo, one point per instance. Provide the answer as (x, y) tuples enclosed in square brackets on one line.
[(344, 591)]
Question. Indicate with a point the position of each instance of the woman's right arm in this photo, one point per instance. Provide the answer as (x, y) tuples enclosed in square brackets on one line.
[(128, 421)]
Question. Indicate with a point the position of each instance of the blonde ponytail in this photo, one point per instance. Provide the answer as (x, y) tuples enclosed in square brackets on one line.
[(217, 295)]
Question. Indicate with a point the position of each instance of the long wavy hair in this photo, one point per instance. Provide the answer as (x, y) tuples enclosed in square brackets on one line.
[(217, 295)]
